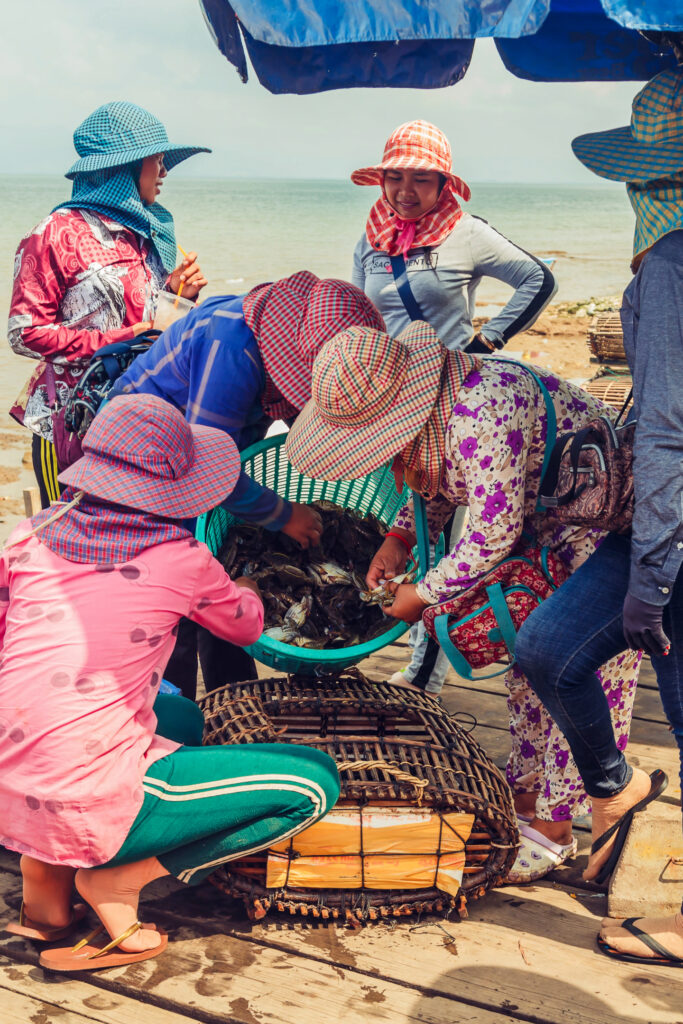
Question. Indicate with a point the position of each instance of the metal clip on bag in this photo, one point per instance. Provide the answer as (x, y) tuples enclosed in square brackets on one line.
[(478, 627), (590, 475)]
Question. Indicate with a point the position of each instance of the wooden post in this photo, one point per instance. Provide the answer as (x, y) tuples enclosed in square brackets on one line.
[(31, 501)]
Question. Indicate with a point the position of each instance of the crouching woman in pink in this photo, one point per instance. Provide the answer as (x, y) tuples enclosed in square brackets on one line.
[(99, 783)]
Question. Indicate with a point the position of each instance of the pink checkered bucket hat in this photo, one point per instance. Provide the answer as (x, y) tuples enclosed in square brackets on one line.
[(418, 146), (142, 453), (371, 395), (294, 317)]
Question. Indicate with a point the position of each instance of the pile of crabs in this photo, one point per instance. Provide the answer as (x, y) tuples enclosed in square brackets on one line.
[(316, 597)]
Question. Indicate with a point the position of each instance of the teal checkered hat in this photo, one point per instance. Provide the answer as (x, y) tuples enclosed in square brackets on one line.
[(651, 147), (121, 133)]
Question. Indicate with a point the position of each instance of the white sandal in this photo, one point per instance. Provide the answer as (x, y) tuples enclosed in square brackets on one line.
[(537, 856)]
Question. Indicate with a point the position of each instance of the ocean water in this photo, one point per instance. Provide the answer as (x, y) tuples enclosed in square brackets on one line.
[(248, 231)]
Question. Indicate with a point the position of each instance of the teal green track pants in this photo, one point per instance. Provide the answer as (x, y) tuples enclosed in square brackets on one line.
[(204, 806)]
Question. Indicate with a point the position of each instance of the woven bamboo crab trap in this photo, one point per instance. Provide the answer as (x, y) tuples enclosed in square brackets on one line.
[(614, 390), (425, 820), (606, 338)]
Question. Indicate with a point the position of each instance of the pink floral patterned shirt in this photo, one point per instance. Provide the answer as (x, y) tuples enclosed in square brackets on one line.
[(81, 280)]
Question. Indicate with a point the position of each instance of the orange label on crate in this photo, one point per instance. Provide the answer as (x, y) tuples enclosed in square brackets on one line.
[(399, 845)]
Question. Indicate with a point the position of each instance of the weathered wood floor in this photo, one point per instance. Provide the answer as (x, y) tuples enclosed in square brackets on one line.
[(524, 953)]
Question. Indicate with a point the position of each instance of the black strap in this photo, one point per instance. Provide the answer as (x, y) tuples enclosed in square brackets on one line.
[(50, 385), (648, 940), (624, 407), (400, 272)]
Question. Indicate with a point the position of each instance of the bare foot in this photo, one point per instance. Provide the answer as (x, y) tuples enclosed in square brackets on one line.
[(559, 832), (608, 811), (114, 893), (525, 803), (668, 931), (47, 892)]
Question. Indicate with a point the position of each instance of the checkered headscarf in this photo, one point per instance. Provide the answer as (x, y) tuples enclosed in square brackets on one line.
[(293, 318), (658, 207), (416, 145), (95, 531), (114, 193), (425, 454)]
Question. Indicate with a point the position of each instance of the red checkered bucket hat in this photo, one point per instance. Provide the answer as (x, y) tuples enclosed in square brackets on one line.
[(141, 452), (294, 317), (415, 145), (372, 394)]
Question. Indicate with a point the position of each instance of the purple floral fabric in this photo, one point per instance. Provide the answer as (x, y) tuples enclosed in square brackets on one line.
[(495, 442)]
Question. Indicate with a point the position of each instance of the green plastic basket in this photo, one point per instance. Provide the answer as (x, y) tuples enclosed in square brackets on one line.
[(266, 462)]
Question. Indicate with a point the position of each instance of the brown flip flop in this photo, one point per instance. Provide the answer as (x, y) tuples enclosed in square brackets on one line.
[(93, 954), (29, 929)]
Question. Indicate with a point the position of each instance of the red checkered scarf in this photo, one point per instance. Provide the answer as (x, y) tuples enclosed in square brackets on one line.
[(389, 233), (274, 404), (292, 319), (425, 454), (95, 531)]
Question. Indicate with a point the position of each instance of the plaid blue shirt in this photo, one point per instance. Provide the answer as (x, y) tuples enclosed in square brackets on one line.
[(208, 365)]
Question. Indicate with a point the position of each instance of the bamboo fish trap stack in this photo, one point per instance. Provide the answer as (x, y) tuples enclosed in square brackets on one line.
[(611, 389), (606, 338), (421, 803)]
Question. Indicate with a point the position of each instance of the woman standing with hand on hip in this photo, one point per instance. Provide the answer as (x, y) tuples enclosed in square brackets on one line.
[(422, 258), (90, 273)]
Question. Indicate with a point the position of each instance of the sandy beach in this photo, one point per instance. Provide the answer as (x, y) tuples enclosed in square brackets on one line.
[(556, 341)]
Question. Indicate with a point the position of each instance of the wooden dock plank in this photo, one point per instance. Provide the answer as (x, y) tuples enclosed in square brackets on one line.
[(510, 961), (34, 996), (210, 975), (509, 957)]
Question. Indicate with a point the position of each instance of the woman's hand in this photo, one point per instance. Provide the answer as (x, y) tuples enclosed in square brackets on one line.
[(304, 525), (144, 325), (407, 605), (188, 274), (389, 561), (248, 584)]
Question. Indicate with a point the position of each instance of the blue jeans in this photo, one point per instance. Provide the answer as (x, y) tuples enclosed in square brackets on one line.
[(569, 636)]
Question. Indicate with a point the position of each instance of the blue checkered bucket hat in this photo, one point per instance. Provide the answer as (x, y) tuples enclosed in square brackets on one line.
[(651, 147), (121, 133)]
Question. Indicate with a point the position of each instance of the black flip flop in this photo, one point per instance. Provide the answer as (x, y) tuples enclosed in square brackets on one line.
[(664, 958), (659, 780)]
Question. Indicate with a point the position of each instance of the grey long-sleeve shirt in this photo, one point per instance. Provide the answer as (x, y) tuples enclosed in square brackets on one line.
[(652, 318), (444, 281)]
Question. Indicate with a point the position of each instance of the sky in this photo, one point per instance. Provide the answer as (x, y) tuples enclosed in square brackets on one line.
[(61, 61)]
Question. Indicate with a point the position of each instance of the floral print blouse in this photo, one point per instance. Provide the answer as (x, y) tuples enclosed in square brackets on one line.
[(81, 280), (495, 442)]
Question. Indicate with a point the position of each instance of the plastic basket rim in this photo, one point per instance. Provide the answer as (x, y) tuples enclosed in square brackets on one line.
[(335, 657)]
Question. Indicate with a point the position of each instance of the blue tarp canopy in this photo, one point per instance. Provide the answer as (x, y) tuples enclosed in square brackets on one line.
[(305, 46)]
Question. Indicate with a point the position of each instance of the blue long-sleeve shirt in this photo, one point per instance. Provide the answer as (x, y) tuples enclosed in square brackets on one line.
[(209, 366), (652, 318)]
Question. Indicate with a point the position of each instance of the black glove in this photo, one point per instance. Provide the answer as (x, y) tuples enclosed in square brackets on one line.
[(643, 626), (480, 345)]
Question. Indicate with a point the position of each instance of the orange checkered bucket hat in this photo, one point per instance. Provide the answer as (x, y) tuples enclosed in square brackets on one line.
[(371, 395), (415, 145)]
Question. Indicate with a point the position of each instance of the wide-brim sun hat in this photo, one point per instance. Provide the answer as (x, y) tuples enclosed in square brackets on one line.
[(372, 394), (142, 453), (651, 147), (294, 317), (121, 133), (418, 146)]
